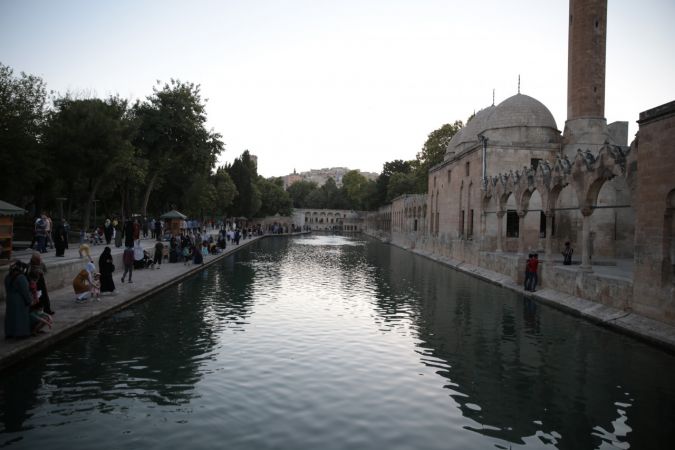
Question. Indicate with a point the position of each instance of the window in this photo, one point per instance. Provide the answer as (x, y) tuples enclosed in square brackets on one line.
[(542, 224), (511, 223), (461, 223), (534, 162), (434, 181), (467, 168), (449, 176), (470, 233)]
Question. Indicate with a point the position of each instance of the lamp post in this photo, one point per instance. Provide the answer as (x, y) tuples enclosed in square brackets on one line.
[(95, 201), (61, 200)]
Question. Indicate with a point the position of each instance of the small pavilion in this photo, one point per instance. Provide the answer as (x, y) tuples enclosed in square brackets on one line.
[(7, 213), (175, 221)]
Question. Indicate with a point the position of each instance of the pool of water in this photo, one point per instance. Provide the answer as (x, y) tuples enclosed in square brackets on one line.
[(333, 342)]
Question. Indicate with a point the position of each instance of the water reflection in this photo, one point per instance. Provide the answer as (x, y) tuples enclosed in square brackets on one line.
[(333, 342), (520, 370)]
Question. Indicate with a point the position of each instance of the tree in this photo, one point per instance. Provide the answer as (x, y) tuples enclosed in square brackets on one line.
[(355, 186), (225, 192), (399, 184), (316, 199), (244, 174), (299, 191), (335, 198), (174, 139), (433, 152), (382, 182), (22, 116), (274, 200), (91, 143)]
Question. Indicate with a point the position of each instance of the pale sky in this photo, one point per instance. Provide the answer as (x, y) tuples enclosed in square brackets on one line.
[(312, 84)]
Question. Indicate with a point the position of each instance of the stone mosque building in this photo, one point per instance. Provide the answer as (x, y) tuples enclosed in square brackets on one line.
[(512, 183)]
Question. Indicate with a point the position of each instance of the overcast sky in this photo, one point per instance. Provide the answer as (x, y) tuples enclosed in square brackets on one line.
[(312, 84)]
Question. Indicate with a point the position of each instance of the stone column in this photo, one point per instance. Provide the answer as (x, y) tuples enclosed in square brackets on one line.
[(500, 229), (521, 231), (549, 232), (586, 240)]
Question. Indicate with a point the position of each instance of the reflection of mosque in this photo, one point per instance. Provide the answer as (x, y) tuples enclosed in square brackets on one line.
[(329, 220), (517, 369), (511, 184)]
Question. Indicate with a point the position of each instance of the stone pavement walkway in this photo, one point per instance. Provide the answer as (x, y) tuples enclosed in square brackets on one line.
[(72, 317)]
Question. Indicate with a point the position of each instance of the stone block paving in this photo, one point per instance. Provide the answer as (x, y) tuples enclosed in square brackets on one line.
[(72, 317)]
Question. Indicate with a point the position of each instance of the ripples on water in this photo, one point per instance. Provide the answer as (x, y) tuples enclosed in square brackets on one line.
[(334, 342)]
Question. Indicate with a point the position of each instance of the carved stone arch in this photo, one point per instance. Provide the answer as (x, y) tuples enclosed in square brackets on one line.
[(591, 194), (552, 196), (503, 198), (523, 199)]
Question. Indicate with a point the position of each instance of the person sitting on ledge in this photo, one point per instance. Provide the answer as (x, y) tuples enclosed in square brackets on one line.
[(82, 286), (17, 302)]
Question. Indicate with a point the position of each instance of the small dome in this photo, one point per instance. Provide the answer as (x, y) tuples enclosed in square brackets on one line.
[(521, 111), (470, 132)]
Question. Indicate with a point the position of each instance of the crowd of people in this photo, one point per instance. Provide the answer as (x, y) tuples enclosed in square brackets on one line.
[(28, 306)]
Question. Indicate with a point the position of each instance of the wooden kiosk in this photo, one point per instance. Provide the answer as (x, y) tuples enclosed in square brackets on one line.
[(175, 221), (7, 213)]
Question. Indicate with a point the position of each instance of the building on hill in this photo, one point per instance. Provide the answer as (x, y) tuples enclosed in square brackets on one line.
[(320, 176), (511, 184)]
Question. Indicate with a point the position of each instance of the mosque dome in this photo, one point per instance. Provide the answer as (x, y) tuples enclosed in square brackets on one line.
[(520, 111), (469, 134), (518, 119)]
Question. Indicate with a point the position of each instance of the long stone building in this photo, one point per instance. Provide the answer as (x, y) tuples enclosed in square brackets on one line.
[(512, 183)]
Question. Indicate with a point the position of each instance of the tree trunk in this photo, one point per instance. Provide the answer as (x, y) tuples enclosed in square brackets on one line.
[(123, 209), (148, 190), (90, 200)]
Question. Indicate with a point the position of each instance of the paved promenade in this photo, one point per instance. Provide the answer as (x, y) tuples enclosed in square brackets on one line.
[(72, 317)]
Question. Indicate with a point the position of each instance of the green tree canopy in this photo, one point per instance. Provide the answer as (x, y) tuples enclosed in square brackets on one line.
[(244, 174), (355, 186), (433, 152), (93, 140), (173, 138), (225, 190), (22, 115), (382, 182), (399, 184), (274, 200), (299, 191)]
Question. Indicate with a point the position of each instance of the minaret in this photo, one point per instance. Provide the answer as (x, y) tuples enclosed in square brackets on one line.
[(586, 126)]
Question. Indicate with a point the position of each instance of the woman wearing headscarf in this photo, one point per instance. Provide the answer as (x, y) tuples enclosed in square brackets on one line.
[(37, 267), (107, 231), (17, 303), (106, 268)]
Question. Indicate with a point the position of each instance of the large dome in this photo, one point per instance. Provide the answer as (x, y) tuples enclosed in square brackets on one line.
[(519, 118), (520, 111)]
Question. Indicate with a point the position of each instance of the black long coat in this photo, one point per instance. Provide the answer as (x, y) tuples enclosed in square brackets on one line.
[(106, 267)]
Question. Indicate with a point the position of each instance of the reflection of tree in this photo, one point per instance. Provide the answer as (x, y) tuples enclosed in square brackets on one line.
[(519, 370), (153, 352), (18, 398)]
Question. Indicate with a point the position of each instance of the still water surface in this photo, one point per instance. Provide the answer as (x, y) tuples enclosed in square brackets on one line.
[(333, 343)]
